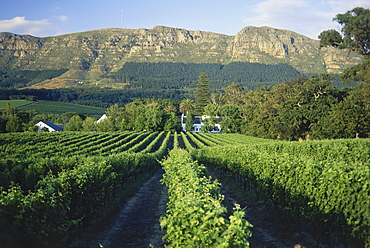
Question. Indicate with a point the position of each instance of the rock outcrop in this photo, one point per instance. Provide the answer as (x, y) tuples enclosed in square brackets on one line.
[(93, 54)]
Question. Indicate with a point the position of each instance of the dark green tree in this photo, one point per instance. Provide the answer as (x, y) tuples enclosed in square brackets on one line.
[(9, 110), (210, 110), (2, 124), (189, 122), (115, 114), (171, 122), (230, 118), (202, 94), (330, 38), (258, 112), (89, 124), (187, 105), (14, 124), (356, 29), (349, 118), (139, 124), (106, 125), (154, 117), (74, 124), (209, 124), (300, 104), (233, 93)]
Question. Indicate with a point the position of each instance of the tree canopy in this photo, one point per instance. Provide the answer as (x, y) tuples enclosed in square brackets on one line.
[(356, 29), (202, 94)]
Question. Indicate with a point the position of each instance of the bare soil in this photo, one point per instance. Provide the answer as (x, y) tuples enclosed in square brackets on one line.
[(136, 224)]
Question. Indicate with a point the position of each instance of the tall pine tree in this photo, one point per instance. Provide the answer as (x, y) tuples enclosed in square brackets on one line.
[(202, 93)]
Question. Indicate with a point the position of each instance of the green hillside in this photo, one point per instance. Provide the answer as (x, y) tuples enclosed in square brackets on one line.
[(13, 103)]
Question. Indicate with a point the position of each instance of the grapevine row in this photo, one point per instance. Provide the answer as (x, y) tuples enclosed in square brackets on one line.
[(195, 216), (329, 189), (43, 197)]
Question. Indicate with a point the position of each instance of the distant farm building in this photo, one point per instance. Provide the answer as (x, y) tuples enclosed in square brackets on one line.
[(198, 124), (48, 125), (103, 117)]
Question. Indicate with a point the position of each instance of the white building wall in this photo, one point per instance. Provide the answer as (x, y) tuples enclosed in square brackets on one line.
[(197, 127), (40, 125)]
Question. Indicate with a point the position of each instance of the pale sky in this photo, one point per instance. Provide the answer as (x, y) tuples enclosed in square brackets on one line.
[(54, 17)]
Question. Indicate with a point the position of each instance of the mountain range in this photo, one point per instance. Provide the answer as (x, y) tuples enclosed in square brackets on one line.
[(91, 57)]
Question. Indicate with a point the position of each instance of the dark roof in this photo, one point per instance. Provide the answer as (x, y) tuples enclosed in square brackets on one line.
[(197, 120), (54, 126)]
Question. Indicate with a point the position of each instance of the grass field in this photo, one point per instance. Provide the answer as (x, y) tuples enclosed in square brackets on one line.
[(13, 103), (50, 107)]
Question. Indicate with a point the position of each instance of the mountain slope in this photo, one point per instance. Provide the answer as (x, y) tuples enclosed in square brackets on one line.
[(90, 57)]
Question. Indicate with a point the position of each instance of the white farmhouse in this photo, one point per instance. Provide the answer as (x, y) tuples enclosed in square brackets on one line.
[(103, 117), (198, 124), (49, 125)]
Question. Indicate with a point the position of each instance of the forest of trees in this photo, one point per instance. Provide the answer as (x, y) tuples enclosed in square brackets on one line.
[(166, 75)]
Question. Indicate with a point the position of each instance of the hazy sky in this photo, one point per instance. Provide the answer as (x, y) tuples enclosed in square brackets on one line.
[(53, 17)]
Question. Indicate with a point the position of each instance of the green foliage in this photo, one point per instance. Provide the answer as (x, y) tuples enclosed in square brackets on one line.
[(209, 125), (195, 216), (348, 119), (106, 125), (165, 75), (171, 123), (295, 109), (13, 120), (202, 94), (356, 29), (187, 106), (330, 38), (358, 73), (323, 181), (13, 103), (14, 124), (74, 124), (89, 124), (51, 107), (52, 182), (189, 122)]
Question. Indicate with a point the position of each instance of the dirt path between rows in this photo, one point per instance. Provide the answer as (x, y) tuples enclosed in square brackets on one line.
[(137, 223)]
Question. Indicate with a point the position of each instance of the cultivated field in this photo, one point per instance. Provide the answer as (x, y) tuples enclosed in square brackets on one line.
[(52, 107), (52, 183)]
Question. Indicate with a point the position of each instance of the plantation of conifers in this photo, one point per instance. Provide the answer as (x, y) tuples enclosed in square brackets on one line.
[(52, 183)]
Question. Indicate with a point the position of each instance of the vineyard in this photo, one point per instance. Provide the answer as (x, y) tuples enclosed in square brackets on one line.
[(54, 183)]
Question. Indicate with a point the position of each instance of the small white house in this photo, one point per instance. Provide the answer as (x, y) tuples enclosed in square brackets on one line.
[(198, 124), (104, 116), (49, 125)]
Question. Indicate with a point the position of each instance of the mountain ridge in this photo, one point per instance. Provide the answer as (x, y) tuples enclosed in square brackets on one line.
[(91, 56)]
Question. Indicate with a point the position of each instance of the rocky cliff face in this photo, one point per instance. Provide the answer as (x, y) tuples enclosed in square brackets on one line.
[(91, 55)]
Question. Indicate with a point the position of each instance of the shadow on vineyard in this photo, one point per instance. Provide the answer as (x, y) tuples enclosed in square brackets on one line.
[(131, 222), (274, 226)]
